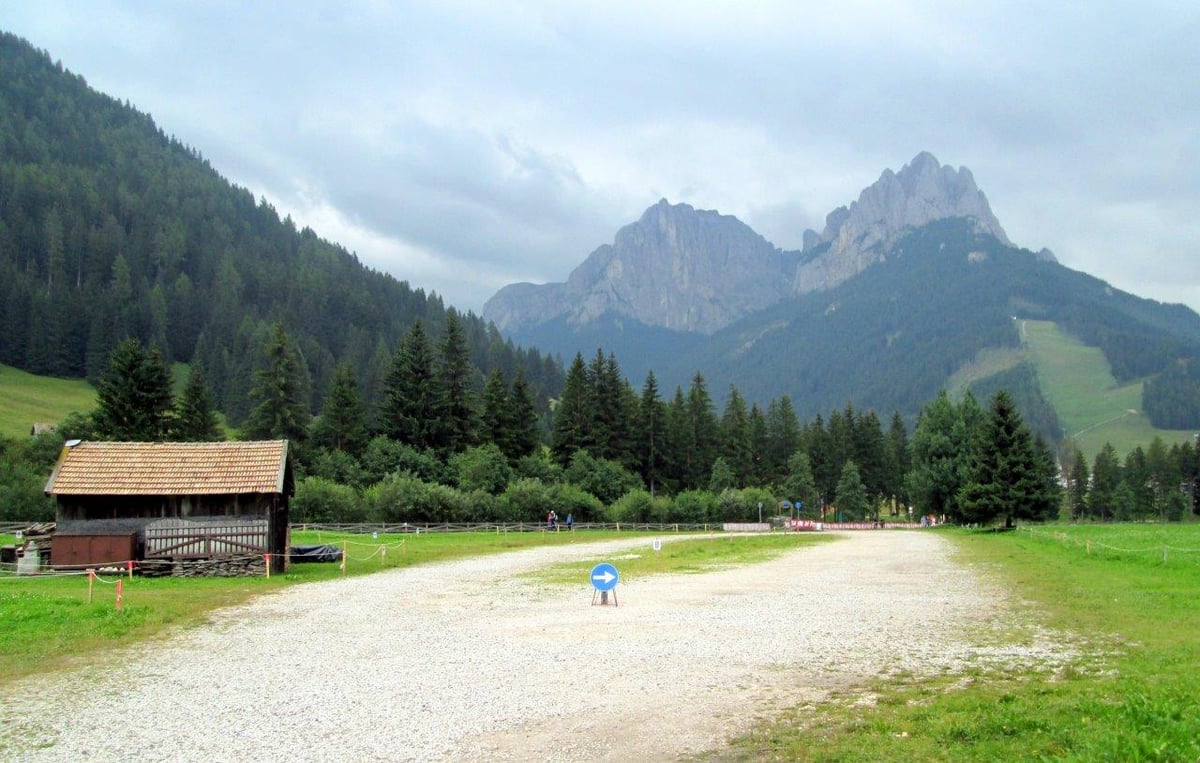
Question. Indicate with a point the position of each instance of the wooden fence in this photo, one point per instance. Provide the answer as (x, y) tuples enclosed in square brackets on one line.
[(186, 539)]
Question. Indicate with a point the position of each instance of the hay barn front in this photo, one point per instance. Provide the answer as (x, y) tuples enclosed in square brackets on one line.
[(170, 506)]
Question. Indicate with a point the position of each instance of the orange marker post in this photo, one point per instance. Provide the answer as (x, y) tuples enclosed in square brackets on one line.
[(267, 562), (343, 558), (91, 581), (120, 592), (129, 568)]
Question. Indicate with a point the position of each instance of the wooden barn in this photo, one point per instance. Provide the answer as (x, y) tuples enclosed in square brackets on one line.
[(170, 505)]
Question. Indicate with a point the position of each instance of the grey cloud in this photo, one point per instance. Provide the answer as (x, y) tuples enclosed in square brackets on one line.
[(474, 132)]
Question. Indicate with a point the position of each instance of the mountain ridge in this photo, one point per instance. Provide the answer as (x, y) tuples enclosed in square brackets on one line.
[(891, 304), (681, 268)]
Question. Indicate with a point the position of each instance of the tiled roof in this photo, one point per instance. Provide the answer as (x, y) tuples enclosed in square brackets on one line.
[(170, 468)]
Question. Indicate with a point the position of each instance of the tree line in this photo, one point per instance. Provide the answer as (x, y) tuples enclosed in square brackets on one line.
[(443, 450)]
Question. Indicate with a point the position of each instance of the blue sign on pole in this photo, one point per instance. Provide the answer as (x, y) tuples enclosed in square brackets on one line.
[(604, 577)]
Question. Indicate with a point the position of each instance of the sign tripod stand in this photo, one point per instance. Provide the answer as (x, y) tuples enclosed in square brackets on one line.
[(604, 579)]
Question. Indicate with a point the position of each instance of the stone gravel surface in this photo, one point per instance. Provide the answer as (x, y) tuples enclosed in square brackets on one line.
[(469, 661)]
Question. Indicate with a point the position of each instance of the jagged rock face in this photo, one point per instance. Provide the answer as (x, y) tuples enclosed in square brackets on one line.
[(922, 192), (677, 267), (698, 271)]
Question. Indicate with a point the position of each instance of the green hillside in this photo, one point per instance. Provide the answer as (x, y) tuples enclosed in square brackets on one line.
[(101, 210), (1092, 406), (26, 399)]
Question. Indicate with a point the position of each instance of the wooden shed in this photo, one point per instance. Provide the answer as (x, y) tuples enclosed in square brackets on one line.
[(164, 503)]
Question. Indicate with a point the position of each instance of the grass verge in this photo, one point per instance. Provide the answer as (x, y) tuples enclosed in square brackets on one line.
[(1133, 699), (689, 556)]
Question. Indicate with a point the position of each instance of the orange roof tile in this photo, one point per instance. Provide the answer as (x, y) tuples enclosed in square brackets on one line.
[(170, 468)]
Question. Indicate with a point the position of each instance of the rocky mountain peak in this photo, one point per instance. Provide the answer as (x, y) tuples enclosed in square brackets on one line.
[(676, 267), (923, 191)]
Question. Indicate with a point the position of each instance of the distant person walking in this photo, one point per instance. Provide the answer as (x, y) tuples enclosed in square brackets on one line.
[(570, 521)]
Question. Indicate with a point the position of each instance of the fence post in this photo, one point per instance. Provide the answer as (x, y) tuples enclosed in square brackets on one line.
[(267, 563), (120, 592), (343, 558), (382, 555), (91, 582)]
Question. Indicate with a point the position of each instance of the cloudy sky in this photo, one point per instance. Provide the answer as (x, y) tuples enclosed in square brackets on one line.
[(463, 146)]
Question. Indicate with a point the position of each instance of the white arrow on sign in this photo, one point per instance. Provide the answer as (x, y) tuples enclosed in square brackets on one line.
[(605, 578)]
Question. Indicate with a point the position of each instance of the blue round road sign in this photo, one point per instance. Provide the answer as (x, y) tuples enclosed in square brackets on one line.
[(605, 577)]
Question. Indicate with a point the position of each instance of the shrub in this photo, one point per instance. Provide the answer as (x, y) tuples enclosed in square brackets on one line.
[(338, 466), (567, 499), (321, 500), (605, 479), (385, 456), (526, 500), (540, 466), (638, 506), (402, 498), (484, 468), (695, 507)]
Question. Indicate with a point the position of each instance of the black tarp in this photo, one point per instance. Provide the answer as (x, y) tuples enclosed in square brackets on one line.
[(315, 554)]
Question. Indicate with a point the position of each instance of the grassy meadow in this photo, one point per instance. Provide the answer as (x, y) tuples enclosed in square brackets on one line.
[(1109, 590), (26, 399), (1093, 408)]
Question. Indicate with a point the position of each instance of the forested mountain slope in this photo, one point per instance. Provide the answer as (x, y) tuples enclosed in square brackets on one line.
[(891, 337), (110, 228)]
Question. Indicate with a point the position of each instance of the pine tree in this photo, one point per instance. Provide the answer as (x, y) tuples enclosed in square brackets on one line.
[(706, 433), (522, 438), (493, 421), (196, 413), (1077, 487), (134, 401), (783, 433), (870, 454), (941, 451), (800, 488), (681, 444), (279, 393), (1106, 478), (722, 477), (652, 429), (897, 460), (342, 424), (851, 498), (456, 416), (1008, 473), (735, 438), (1046, 496), (760, 445), (573, 414), (408, 412)]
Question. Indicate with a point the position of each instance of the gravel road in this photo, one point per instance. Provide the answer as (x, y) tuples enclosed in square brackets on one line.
[(465, 661)]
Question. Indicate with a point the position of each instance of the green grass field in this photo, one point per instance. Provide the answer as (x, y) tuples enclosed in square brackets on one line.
[(1093, 409), (1106, 588), (26, 399)]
